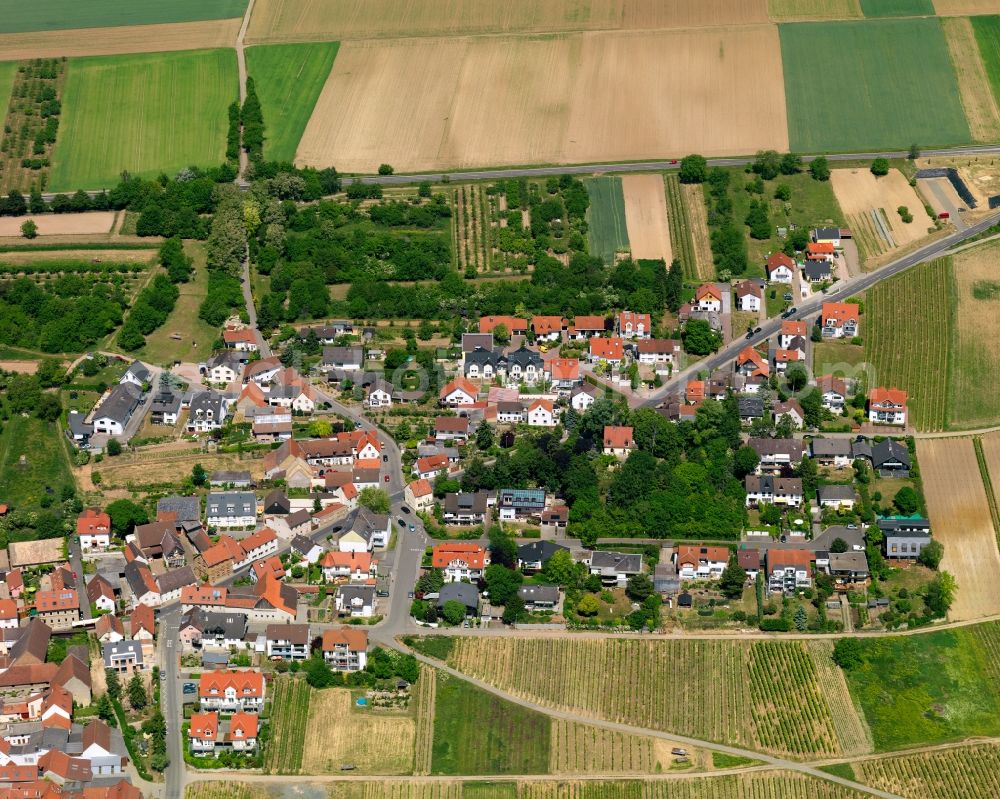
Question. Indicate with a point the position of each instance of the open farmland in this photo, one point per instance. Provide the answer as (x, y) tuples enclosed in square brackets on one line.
[(960, 772), (437, 103), (126, 39), (897, 8), (943, 687), (375, 742), (694, 201), (646, 217), (975, 357), (759, 785), (225, 790), (411, 789), (581, 748), (680, 224), (125, 112), (960, 517), (989, 445), (317, 20), (283, 753), (17, 16), (606, 217), (860, 194), (961, 8), (977, 96), (714, 700), (289, 78), (852, 730), (987, 33), (788, 10), (61, 224), (476, 732), (895, 85), (907, 328)]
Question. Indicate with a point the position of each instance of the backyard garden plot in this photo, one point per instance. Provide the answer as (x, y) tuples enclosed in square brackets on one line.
[(646, 217), (960, 519), (438, 103), (975, 353), (125, 112), (426, 690), (848, 721), (895, 85), (283, 753), (472, 227), (861, 195), (977, 97), (374, 742), (31, 123), (961, 772), (162, 469), (476, 732), (46, 461), (694, 200), (759, 785), (787, 10), (61, 224), (289, 78), (679, 221), (17, 16), (697, 688), (606, 217), (126, 39), (312, 20)]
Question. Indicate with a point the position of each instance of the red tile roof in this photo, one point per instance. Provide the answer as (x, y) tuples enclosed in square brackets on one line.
[(431, 463), (245, 683), (487, 324), (618, 437), (355, 561), (93, 522), (459, 384), (690, 553), (54, 601), (887, 397), (473, 554), (355, 640), (541, 403), (204, 726), (708, 290), (610, 349), (421, 488), (543, 325), (695, 391), (143, 618), (242, 726), (777, 259), (589, 323), (839, 312), (563, 368), (791, 327)]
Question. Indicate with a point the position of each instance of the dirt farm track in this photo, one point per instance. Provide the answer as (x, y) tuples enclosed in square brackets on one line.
[(437, 103)]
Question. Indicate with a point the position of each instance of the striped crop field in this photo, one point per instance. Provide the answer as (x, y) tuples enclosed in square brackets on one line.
[(608, 232), (127, 112), (17, 16), (289, 715), (907, 328), (962, 772)]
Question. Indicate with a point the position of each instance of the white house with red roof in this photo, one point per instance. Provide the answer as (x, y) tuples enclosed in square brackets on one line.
[(548, 328), (791, 330), (887, 406), (780, 268), (753, 367), (93, 528), (514, 324), (707, 298), (611, 350), (460, 560), (629, 324), (564, 373), (243, 340), (458, 392), (839, 319), (419, 494), (618, 441), (749, 295), (541, 413), (355, 566), (232, 691)]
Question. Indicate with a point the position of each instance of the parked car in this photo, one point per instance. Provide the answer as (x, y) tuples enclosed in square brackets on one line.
[(190, 688), (401, 522), (404, 509), (412, 528)]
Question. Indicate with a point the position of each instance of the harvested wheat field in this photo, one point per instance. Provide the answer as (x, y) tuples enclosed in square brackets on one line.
[(977, 98), (960, 519), (375, 742), (61, 224), (324, 20), (961, 8), (22, 367), (113, 41), (438, 103), (646, 217), (786, 10), (694, 199), (95, 256)]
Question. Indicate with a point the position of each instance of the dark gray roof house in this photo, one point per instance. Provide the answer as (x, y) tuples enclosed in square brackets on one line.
[(891, 457), (186, 509), (835, 493), (119, 405), (343, 357), (904, 536), (750, 408), (208, 405), (539, 596), (277, 503), (816, 271), (79, 430), (861, 449), (176, 579), (831, 448), (480, 358), (472, 341), (460, 592), (237, 479), (615, 563), (230, 504), (136, 372), (534, 555), (524, 357)]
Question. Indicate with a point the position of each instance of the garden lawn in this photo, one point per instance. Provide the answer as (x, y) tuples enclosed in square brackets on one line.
[(18, 16), (928, 688), (606, 217), (476, 732), (897, 8), (893, 81), (47, 463), (289, 78), (149, 113), (987, 30)]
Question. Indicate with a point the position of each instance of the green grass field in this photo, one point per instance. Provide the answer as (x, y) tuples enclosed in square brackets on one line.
[(150, 113), (16, 16), (47, 463), (897, 8), (478, 733), (7, 71), (907, 329), (929, 688), (289, 78), (987, 30), (606, 217), (894, 83)]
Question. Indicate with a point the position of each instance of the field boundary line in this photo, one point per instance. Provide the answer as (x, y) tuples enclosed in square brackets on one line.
[(991, 497)]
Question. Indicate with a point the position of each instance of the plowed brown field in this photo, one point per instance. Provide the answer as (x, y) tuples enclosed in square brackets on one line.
[(960, 519), (961, 8), (646, 217), (313, 20), (61, 224), (126, 39), (439, 103)]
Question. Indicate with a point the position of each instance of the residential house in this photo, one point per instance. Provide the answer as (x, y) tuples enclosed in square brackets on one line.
[(820, 251), (430, 466), (269, 428), (548, 328), (109, 628), (834, 452), (458, 392), (179, 510), (379, 394), (207, 412), (419, 495), (848, 569), (828, 235), (554, 520), (563, 373), (124, 657), (778, 453), (345, 648), (840, 497), (770, 490), (165, 408), (524, 366), (8, 614), (356, 601), (93, 529), (614, 568), (225, 367), (793, 410), (533, 556), (782, 358), (749, 296), (541, 413), (137, 374), (583, 396), (780, 268), (750, 408), (464, 593), (59, 608), (793, 334), (142, 584), (270, 565), (328, 333), (749, 559), (460, 560), (629, 324), (369, 530), (707, 298), (659, 352), (483, 364), (287, 641), (232, 479), (904, 536), (700, 562), (305, 550), (520, 503), (142, 623), (460, 508), (618, 441), (73, 677), (203, 730), (244, 340), (788, 570), (839, 319), (510, 413), (890, 458), (753, 367), (355, 566), (817, 270), (101, 594), (159, 540), (231, 509), (539, 597), (474, 341), (887, 406), (231, 691), (261, 373), (834, 392), (609, 350), (514, 325), (78, 430), (171, 583), (342, 359), (116, 409), (451, 428)]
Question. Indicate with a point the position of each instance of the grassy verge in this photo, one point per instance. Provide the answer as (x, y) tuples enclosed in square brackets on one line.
[(991, 497), (435, 646)]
